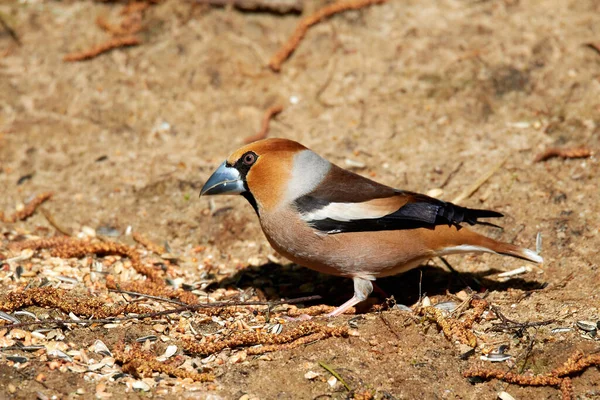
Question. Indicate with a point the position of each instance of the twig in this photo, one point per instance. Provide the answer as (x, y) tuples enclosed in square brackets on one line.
[(113, 43), (288, 48), (264, 128), (28, 210), (508, 324), (563, 152), (480, 181), (192, 307), (389, 326), (50, 218), (334, 373), (148, 296), (156, 289), (451, 175)]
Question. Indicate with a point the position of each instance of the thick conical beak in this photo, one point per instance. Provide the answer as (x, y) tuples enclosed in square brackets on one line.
[(225, 180)]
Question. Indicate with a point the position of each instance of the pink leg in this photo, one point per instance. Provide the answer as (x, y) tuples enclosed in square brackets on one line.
[(362, 290)]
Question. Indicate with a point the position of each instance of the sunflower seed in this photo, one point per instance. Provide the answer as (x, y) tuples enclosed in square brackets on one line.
[(169, 352), (505, 396), (151, 338), (17, 359), (67, 279), (32, 348), (449, 306), (100, 348), (587, 326), (141, 385), (494, 357), (276, 329), (29, 314), (25, 255), (60, 354), (560, 330), (9, 317)]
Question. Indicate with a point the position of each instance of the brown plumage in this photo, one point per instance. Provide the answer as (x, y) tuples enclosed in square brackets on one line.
[(337, 222)]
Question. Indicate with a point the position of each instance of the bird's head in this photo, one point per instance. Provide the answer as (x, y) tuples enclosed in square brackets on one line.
[(268, 173)]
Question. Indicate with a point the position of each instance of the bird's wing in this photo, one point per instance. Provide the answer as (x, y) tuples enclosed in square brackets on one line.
[(347, 202)]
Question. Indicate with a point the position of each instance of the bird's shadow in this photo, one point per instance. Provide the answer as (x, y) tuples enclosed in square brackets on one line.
[(274, 282)]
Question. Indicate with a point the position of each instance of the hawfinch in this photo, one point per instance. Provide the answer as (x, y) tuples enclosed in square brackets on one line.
[(337, 222)]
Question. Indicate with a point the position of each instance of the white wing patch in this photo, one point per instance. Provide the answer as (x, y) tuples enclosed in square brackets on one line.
[(345, 212)]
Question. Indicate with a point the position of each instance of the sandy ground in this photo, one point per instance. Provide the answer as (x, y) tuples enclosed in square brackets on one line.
[(412, 90)]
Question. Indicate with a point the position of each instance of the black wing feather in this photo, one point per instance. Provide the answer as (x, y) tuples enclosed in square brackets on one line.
[(421, 212)]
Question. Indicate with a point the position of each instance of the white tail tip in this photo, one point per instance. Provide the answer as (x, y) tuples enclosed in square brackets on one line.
[(533, 256)]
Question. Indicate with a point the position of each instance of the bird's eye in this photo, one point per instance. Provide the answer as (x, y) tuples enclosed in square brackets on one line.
[(249, 158)]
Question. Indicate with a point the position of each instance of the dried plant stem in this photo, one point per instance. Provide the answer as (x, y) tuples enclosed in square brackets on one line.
[(564, 152), (288, 48), (110, 44), (28, 210), (264, 128), (575, 364), (8, 305), (480, 181), (251, 338)]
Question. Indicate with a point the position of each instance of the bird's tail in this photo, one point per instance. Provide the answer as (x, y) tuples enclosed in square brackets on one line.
[(467, 241)]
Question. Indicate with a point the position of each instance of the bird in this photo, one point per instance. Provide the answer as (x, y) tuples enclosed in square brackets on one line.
[(326, 218)]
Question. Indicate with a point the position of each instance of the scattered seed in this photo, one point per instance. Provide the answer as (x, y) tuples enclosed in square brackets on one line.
[(32, 348), (25, 255), (505, 396), (587, 326), (100, 348), (208, 359), (95, 367), (74, 317), (354, 164), (169, 352), (332, 381), (426, 302), (67, 279), (310, 375), (276, 329), (17, 359), (9, 318), (27, 313), (141, 385), (560, 330), (151, 338), (449, 306), (495, 357), (60, 354)]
